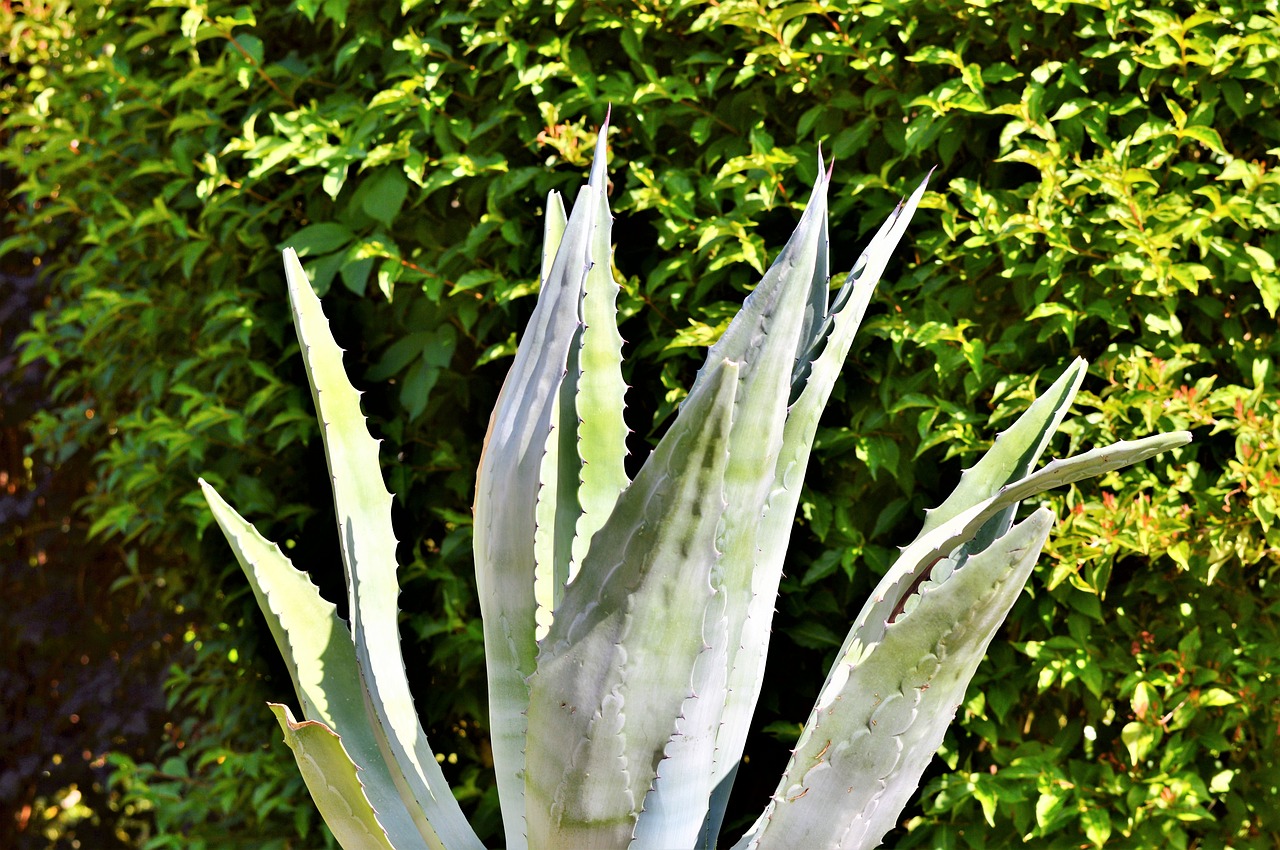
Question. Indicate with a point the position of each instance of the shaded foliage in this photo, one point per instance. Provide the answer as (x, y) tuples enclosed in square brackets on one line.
[(83, 665), (1106, 189)]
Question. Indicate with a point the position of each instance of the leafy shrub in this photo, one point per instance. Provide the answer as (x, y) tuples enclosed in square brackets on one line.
[(1106, 171), (83, 665)]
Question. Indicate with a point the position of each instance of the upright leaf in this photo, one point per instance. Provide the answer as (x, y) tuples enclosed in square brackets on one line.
[(1013, 455), (765, 337), (334, 782), (367, 540), (929, 591), (887, 704), (617, 663), (527, 502), (599, 389), (813, 384)]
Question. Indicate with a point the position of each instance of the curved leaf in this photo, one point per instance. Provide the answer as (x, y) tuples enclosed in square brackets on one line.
[(321, 659), (363, 508), (886, 705), (334, 782)]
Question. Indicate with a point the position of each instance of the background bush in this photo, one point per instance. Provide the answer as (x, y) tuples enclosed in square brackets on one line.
[(1105, 187)]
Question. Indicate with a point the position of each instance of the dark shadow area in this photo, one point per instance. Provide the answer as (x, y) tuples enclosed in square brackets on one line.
[(83, 665)]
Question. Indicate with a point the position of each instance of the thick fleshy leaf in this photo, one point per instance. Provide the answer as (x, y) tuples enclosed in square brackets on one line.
[(321, 659), (557, 511), (596, 375), (850, 304), (676, 806), (334, 782), (817, 306), (522, 507), (782, 298), (618, 662), (765, 337), (885, 707), (830, 346), (553, 464), (367, 540), (934, 561), (554, 222), (950, 540)]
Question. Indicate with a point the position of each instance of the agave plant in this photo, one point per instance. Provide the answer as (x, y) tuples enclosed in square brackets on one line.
[(626, 622)]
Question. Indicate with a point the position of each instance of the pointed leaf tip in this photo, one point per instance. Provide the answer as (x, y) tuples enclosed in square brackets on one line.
[(599, 162)]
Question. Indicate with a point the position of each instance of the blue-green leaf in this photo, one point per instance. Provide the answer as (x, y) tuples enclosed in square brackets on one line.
[(368, 544)]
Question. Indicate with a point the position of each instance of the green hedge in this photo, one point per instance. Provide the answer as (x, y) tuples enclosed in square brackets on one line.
[(1106, 187)]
